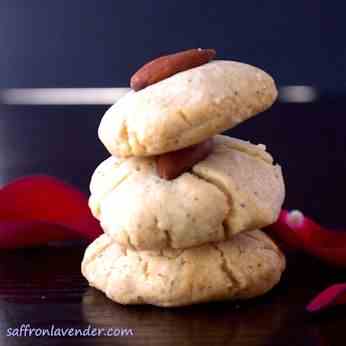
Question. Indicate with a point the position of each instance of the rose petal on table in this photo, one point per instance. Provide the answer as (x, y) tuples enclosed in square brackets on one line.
[(44, 200), (285, 235), (313, 234), (297, 232), (333, 295)]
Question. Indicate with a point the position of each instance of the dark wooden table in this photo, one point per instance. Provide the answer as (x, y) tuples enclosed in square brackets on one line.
[(43, 286)]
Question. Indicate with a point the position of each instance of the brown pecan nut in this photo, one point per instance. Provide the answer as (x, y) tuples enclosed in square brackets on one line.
[(168, 65), (171, 165)]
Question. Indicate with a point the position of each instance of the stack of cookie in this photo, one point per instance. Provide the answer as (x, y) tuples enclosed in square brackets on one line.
[(181, 206)]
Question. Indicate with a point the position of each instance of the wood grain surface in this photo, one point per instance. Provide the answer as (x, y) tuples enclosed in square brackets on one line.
[(43, 286)]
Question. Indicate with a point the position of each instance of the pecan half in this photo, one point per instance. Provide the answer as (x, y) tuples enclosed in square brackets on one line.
[(171, 165), (168, 65)]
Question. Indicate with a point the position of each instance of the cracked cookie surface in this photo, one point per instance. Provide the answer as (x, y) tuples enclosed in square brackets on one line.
[(186, 108), (236, 188), (247, 266)]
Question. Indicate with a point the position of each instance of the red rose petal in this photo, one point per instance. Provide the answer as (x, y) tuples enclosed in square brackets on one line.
[(299, 232), (43, 208), (333, 295), (314, 234), (284, 234)]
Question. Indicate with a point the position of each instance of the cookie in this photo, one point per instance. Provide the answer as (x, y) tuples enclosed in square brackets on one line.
[(186, 108), (247, 266), (236, 188)]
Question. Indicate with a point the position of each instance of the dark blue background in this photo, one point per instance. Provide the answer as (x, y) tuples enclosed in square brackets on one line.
[(101, 42)]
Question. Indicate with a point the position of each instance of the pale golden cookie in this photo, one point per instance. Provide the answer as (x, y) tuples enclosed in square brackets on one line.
[(236, 188), (247, 266), (186, 108)]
